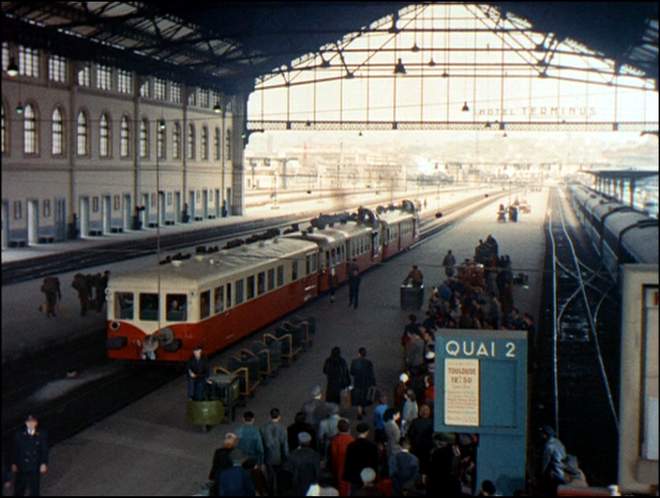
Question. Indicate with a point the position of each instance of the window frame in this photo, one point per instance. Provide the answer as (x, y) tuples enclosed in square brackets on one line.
[(169, 298), (140, 307), (57, 133), (105, 136), (221, 294), (125, 137), (118, 308), (251, 288), (280, 276), (144, 139), (239, 294), (84, 134), (32, 130), (203, 316)]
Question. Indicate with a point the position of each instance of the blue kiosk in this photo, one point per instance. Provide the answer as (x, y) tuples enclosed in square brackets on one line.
[(481, 387)]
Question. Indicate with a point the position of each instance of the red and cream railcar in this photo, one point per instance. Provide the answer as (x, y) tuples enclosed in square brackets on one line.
[(362, 243), (213, 299), (399, 229), (331, 246)]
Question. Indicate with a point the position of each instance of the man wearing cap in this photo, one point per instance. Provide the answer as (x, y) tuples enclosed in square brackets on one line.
[(304, 464), (197, 370), (29, 457)]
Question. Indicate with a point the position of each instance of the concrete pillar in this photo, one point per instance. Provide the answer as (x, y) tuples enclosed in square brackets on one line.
[(239, 131)]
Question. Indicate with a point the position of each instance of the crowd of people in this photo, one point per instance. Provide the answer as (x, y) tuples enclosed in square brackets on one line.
[(394, 452), (90, 289)]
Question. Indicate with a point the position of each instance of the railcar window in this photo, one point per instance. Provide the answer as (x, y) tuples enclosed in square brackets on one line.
[(124, 305), (204, 304), (308, 264), (294, 270), (239, 291), (261, 283), (219, 297), (280, 275), (149, 307), (228, 296), (176, 307), (271, 279), (327, 259), (314, 263), (250, 287)]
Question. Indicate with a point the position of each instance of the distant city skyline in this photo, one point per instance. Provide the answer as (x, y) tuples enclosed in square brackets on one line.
[(620, 149)]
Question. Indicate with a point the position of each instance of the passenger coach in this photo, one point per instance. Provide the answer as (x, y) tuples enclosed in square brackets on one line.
[(211, 300)]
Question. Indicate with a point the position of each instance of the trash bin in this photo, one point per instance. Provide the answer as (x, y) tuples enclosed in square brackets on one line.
[(412, 297), (205, 413)]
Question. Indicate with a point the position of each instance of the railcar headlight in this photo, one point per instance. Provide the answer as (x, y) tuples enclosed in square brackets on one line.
[(114, 325)]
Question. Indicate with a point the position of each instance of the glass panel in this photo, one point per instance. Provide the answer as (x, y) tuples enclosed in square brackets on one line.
[(219, 297), (250, 287), (228, 295), (239, 285), (176, 307), (205, 304), (294, 270), (149, 307), (308, 264), (261, 283), (271, 279), (124, 305), (280, 275)]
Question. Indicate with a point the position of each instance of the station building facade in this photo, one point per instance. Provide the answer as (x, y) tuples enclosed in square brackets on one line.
[(90, 150)]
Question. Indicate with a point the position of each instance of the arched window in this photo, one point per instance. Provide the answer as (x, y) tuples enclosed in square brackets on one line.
[(228, 144), (216, 144), (176, 141), (104, 136), (144, 139), (57, 122), (124, 137), (30, 130), (4, 130), (81, 134), (160, 139), (191, 141), (205, 143)]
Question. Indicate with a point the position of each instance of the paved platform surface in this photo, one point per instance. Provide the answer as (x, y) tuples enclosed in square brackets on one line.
[(148, 448), (25, 328)]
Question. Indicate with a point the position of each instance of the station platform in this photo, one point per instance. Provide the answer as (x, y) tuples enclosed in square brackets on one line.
[(286, 204), (148, 448), (25, 329)]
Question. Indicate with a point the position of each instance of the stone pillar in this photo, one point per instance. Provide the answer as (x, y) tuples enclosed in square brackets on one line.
[(239, 132)]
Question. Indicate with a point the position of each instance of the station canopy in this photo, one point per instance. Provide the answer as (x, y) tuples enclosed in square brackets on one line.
[(226, 45)]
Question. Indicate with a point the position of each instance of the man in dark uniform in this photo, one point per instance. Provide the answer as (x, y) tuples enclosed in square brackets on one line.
[(29, 457), (198, 373)]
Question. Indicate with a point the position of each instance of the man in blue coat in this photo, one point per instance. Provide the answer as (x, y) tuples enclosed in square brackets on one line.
[(29, 457)]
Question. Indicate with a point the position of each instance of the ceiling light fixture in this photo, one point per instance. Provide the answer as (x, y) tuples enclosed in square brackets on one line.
[(399, 68), (12, 68)]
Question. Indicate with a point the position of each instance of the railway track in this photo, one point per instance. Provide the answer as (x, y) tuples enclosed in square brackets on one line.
[(574, 382), (122, 384), (53, 264)]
